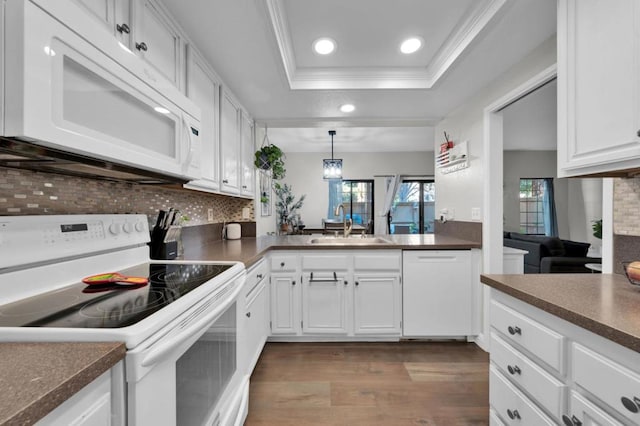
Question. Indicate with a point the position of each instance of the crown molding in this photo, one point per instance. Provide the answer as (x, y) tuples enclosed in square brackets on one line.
[(291, 123), (380, 78)]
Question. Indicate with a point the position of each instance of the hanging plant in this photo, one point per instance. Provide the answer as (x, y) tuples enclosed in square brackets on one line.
[(270, 157)]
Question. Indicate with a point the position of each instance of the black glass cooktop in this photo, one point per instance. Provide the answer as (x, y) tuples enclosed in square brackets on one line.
[(110, 305)]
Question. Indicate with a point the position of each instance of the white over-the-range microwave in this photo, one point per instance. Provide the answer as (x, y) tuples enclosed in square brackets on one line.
[(71, 86)]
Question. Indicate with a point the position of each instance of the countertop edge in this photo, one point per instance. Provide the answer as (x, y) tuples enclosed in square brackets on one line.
[(603, 330), (41, 406)]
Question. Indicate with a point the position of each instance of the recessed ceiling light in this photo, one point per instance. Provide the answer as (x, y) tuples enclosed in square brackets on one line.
[(411, 45), (347, 108), (324, 46)]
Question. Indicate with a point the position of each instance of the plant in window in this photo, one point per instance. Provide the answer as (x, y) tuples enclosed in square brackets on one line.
[(597, 228)]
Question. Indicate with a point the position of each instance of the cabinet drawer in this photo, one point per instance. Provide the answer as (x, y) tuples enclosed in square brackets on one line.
[(547, 391), (587, 413), (318, 262), (611, 382), (385, 261), (541, 341), (282, 263), (512, 406), (255, 274)]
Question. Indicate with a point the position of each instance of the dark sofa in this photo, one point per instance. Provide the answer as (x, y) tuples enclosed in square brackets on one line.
[(550, 254)]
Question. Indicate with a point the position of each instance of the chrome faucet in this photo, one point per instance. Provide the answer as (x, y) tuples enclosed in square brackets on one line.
[(347, 228)]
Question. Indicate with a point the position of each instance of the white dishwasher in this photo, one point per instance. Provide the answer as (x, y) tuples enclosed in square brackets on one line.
[(437, 293)]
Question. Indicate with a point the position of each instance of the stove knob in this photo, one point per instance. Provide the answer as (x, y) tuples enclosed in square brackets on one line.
[(115, 228), (139, 226), (128, 228)]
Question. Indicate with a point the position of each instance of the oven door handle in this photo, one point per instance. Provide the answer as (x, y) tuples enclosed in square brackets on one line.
[(169, 344)]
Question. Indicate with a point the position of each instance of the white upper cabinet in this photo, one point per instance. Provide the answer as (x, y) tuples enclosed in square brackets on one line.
[(598, 86), (157, 40), (248, 174), (203, 88), (229, 143)]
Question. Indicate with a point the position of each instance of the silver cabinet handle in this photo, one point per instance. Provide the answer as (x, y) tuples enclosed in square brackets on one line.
[(514, 370), (514, 330), (513, 414), (248, 314), (571, 421), (141, 46), (124, 28)]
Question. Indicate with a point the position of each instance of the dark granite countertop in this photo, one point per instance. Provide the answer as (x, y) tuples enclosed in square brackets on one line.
[(35, 378), (605, 304), (250, 250)]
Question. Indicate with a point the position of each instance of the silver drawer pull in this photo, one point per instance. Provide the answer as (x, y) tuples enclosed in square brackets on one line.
[(632, 405), (573, 421), (514, 370), (513, 414), (514, 330), (259, 276)]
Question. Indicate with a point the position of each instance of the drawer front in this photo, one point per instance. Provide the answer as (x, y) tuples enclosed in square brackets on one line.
[(541, 341), (284, 263), (320, 262), (587, 413), (611, 382), (255, 274), (378, 261), (513, 407), (547, 391)]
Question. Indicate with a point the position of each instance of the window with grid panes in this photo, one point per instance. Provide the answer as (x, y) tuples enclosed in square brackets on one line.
[(357, 199), (531, 206)]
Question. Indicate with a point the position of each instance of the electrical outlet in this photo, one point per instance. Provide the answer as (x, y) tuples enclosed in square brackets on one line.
[(210, 215), (475, 213)]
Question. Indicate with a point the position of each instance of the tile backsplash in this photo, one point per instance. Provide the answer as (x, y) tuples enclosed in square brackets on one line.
[(23, 192), (626, 206)]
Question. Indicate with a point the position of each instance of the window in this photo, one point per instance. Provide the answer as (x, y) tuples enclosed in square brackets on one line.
[(357, 198), (413, 209), (532, 215)]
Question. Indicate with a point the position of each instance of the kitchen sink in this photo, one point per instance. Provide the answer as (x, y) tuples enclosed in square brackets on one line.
[(352, 241)]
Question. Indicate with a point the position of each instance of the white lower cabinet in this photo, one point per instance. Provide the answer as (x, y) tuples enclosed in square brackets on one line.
[(567, 374), (324, 303), (438, 294), (585, 413), (342, 294), (256, 315), (100, 403), (377, 304), (285, 304)]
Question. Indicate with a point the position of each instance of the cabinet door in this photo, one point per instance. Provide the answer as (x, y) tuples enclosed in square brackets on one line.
[(203, 88), (248, 150), (285, 317), (377, 304), (586, 413), (229, 143), (103, 10), (324, 307), (256, 321), (437, 293), (156, 40), (598, 86)]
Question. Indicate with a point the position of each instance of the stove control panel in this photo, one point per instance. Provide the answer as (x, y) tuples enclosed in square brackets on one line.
[(33, 239)]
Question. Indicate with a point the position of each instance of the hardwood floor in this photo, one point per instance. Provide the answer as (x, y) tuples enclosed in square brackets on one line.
[(406, 383)]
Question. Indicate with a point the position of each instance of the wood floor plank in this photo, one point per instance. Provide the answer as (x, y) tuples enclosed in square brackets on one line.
[(394, 384)]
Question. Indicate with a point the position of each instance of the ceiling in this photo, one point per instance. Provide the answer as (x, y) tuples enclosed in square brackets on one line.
[(262, 51)]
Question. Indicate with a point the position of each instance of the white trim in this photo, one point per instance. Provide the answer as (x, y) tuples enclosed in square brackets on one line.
[(492, 225), (336, 78), (607, 225), (274, 123)]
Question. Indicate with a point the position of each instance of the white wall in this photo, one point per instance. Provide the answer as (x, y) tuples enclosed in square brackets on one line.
[(462, 190), (304, 174)]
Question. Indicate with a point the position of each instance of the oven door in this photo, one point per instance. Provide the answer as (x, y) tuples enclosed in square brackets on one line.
[(92, 98), (190, 373)]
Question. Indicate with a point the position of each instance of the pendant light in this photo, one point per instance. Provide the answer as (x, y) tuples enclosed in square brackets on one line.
[(332, 169)]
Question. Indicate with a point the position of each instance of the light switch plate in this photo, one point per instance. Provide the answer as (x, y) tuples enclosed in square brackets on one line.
[(210, 215), (246, 213), (475, 213)]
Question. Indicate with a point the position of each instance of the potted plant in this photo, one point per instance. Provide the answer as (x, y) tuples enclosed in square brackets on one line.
[(286, 206), (597, 228), (270, 157)]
